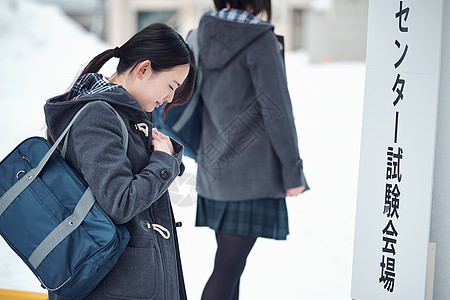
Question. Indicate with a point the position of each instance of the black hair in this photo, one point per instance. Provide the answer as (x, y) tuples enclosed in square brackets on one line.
[(163, 46), (255, 7)]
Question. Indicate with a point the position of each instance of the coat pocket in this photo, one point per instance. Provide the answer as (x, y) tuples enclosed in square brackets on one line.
[(137, 275)]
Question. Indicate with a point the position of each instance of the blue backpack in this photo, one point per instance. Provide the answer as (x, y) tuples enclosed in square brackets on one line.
[(51, 220), (184, 122)]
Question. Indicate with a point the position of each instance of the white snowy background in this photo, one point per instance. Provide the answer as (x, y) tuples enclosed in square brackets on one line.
[(41, 51)]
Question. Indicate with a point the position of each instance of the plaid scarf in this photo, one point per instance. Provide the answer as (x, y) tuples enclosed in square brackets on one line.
[(236, 15), (91, 83)]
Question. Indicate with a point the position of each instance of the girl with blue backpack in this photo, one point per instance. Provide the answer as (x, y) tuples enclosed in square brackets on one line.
[(155, 66)]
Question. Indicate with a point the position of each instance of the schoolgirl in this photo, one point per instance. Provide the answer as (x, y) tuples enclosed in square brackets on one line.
[(248, 160), (155, 66)]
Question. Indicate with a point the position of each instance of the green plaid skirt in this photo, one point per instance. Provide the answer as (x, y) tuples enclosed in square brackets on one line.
[(266, 218)]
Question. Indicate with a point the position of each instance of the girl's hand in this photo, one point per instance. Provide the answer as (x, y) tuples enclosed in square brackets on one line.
[(162, 142), (295, 191)]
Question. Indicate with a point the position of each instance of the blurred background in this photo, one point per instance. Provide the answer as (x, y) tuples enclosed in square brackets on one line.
[(44, 43), (326, 29)]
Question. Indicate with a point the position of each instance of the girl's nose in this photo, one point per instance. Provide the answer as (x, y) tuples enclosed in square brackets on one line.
[(169, 96)]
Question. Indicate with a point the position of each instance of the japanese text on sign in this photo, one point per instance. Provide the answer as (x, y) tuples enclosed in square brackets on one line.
[(394, 157)]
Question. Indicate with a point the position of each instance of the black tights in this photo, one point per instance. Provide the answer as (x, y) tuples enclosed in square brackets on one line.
[(231, 256)]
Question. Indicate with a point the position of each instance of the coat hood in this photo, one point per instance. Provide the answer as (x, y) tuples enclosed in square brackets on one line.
[(59, 110), (221, 40)]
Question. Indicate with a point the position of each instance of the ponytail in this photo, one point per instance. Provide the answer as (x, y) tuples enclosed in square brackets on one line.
[(97, 62), (94, 66), (160, 44)]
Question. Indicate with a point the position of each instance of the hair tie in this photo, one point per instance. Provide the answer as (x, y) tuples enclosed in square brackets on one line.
[(116, 52)]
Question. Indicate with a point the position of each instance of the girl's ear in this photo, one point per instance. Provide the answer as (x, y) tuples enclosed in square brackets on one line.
[(144, 68)]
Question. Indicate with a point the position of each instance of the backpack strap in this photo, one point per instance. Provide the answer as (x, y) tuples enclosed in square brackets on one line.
[(122, 125), (26, 180), (192, 40), (80, 212), (66, 227), (82, 208)]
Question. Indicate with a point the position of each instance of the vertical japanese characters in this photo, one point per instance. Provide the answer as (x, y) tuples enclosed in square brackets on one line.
[(390, 236)]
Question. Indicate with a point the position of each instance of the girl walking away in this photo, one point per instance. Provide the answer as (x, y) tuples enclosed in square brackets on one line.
[(248, 160), (155, 66)]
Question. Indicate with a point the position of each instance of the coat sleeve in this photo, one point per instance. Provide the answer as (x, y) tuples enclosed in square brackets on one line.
[(98, 152), (268, 75)]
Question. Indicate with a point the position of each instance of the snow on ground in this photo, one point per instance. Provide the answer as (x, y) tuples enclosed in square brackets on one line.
[(41, 53)]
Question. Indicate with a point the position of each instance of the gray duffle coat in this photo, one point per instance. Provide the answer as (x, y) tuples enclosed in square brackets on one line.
[(249, 146), (131, 188)]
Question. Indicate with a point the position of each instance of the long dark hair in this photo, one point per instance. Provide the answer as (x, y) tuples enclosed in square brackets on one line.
[(254, 7), (163, 46)]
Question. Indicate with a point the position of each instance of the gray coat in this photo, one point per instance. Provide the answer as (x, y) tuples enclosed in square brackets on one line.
[(249, 146), (130, 187)]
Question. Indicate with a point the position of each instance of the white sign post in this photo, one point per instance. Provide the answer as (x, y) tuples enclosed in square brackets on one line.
[(392, 230)]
